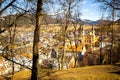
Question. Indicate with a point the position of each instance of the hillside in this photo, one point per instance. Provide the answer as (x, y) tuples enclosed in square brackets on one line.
[(87, 73), (102, 72), (29, 19)]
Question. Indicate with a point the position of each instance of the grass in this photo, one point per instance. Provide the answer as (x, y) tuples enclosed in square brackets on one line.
[(23, 75), (87, 73), (101, 72)]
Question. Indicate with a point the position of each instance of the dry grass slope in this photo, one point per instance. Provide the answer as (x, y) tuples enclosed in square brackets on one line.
[(87, 73), (102, 72)]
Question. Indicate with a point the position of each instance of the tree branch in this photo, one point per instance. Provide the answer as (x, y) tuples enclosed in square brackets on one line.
[(109, 4), (7, 6), (13, 22), (16, 63), (18, 7)]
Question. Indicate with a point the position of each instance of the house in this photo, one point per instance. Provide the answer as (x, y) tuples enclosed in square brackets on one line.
[(75, 52), (72, 52), (71, 63), (89, 38), (73, 48)]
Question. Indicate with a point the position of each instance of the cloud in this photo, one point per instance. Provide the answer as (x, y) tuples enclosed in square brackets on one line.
[(85, 10), (93, 5), (92, 14), (84, 2)]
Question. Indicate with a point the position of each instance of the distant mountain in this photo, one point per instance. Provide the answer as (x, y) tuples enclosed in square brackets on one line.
[(87, 21), (97, 22), (90, 22), (25, 20), (29, 19)]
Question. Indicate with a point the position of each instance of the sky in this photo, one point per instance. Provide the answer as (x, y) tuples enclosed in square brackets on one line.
[(90, 10)]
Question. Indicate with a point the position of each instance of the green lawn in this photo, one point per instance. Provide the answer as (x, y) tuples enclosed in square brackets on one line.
[(101, 72)]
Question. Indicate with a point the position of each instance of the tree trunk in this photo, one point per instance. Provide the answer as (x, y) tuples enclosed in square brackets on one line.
[(101, 45), (112, 41), (63, 54), (34, 75), (65, 32)]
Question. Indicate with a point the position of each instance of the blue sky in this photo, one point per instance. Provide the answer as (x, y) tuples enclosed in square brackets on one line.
[(90, 10)]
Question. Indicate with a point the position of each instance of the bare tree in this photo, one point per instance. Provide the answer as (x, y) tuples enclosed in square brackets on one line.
[(111, 6), (115, 4), (68, 6)]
